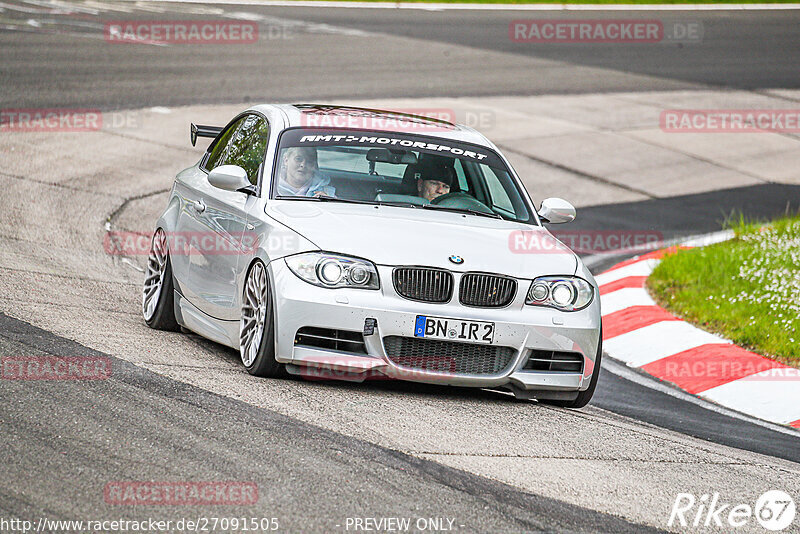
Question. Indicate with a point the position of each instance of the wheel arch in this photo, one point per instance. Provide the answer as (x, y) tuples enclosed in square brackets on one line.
[(168, 221)]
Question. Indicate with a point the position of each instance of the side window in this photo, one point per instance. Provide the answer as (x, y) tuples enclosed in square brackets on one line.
[(248, 146), (499, 195), (217, 156)]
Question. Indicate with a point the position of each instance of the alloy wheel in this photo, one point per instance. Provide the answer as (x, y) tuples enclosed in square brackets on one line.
[(254, 314), (154, 277)]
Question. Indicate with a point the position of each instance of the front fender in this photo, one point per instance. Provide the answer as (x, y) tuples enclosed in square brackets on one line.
[(169, 217)]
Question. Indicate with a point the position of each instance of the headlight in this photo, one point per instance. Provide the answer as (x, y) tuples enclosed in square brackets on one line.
[(332, 270), (566, 293)]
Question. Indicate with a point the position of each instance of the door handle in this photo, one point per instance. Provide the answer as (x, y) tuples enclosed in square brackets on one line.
[(250, 226), (199, 206)]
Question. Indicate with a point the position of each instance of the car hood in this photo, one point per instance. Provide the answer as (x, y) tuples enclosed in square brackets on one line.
[(389, 235)]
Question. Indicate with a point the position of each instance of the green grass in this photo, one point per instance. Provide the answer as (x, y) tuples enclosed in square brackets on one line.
[(746, 289)]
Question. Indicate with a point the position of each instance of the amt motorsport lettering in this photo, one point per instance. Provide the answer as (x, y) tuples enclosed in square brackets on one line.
[(392, 141)]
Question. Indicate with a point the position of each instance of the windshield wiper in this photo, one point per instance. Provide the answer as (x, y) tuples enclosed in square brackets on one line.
[(322, 198), (325, 198), (462, 210), (397, 203)]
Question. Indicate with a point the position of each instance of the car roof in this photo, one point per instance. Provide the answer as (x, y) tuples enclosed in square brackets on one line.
[(330, 117)]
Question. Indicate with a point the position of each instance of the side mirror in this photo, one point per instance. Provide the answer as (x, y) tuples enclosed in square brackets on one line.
[(556, 210), (230, 178)]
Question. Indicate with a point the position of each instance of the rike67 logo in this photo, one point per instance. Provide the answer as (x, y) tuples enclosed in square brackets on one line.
[(774, 510)]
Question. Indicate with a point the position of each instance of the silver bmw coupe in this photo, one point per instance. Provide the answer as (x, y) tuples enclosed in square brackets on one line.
[(350, 243)]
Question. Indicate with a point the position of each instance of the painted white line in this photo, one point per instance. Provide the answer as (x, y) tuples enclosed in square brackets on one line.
[(776, 400), (709, 239), (646, 268), (625, 298), (283, 24), (640, 268), (696, 240), (616, 368), (499, 7), (62, 9), (31, 29), (657, 341)]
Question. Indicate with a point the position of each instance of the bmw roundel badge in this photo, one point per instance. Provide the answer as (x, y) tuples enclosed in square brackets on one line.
[(458, 260)]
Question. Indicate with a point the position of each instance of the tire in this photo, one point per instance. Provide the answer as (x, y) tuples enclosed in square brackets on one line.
[(257, 326), (158, 291), (584, 397)]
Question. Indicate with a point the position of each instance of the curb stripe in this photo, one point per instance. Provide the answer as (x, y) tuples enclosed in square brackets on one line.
[(632, 318), (607, 276), (762, 396), (642, 334), (657, 341), (631, 281), (708, 366), (625, 298), (637, 268)]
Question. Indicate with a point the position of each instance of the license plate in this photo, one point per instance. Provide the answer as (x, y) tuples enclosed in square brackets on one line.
[(453, 329)]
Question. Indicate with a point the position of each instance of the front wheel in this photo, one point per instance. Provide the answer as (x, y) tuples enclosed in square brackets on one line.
[(158, 294), (257, 326), (584, 397)]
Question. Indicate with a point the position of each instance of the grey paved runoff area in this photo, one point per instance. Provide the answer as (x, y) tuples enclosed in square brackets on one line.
[(61, 191), (54, 54)]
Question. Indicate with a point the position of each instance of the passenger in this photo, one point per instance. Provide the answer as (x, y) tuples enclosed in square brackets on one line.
[(300, 176)]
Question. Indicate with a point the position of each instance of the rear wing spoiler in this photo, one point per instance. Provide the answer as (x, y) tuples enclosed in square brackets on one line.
[(198, 130)]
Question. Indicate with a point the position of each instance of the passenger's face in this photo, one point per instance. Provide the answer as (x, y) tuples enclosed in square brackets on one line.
[(300, 166), (431, 189)]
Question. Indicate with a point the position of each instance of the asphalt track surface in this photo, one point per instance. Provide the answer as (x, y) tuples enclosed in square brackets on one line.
[(299, 466), (103, 431), (310, 53)]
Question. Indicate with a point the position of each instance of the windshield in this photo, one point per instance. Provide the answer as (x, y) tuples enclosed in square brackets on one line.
[(400, 169)]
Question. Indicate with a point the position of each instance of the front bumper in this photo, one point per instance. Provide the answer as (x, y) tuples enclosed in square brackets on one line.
[(299, 304)]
